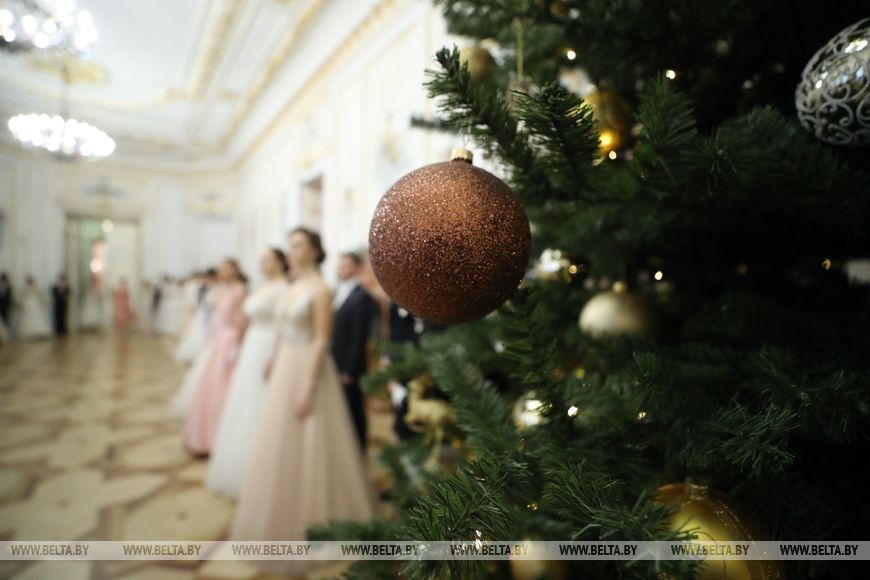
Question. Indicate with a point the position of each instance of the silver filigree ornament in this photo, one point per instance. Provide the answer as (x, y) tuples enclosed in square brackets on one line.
[(833, 97)]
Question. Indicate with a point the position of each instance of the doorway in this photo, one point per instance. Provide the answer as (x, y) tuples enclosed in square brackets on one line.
[(100, 254)]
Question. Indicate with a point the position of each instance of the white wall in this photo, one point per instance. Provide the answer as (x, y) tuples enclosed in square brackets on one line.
[(36, 193), (347, 119), (350, 123)]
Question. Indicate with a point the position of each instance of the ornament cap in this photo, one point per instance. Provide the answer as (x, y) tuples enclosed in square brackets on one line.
[(461, 154), (696, 490)]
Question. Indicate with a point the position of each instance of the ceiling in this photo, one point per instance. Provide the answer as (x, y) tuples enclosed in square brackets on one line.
[(179, 77)]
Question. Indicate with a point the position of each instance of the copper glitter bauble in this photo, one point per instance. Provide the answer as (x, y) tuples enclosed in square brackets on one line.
[(449, 242), (713, 517)]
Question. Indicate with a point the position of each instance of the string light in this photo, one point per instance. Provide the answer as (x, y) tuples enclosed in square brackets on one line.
[(659, 275), (573, 410), (612, 155), (826, 264), (671, 74), (570, 54)]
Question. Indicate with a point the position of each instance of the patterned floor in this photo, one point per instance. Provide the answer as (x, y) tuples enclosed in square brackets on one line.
[(89, 450)]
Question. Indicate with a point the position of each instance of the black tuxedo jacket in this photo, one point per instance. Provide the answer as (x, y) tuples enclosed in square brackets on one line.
[(351, 333)]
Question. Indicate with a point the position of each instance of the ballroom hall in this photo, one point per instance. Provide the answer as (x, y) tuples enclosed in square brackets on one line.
[(434, 289)]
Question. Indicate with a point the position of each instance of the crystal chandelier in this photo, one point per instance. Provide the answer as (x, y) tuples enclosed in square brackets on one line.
[(64, 137), (29, 24)]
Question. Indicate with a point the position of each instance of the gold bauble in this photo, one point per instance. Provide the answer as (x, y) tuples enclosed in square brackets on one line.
[(712, 517), (614, 119), (525, 569), (616, 312), (527, 411), (480, 63)]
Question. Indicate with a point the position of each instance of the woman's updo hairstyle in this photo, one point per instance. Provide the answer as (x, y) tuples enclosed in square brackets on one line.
[(313, 239)]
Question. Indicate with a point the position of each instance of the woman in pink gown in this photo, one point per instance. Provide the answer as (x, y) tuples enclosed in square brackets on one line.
[(228, 325), (306, 466), (122, 313)]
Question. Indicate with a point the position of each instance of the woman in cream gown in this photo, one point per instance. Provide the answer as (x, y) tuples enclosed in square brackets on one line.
[(183, 399), (34, 322), (306, 467), (234, 442)]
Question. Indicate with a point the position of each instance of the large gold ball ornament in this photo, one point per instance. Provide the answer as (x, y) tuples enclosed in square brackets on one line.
[(713, 517), (833, 97), (481, 64), (527, 568), (449, 242), (614, 119), (616, 312)]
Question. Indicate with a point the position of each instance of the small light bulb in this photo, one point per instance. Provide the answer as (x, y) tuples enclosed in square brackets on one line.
[(671, 74), (659, 275), (570, 54), (573, 410), (612, 155), (641, 416)]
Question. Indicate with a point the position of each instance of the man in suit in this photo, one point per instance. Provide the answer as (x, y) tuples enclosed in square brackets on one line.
[(353, 314), (60, 304)]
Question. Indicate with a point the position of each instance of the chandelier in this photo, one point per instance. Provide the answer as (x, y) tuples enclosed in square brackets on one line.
[(29, 24), (64, 137)]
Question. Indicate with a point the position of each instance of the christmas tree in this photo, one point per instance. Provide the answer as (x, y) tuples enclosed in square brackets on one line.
[(734, 347)]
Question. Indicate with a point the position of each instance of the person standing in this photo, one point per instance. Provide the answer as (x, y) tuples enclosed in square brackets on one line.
[(122, 313), (34, 315), (229, 322), (60, 304), (6, 299), (306, 466), (234, 443), (353, 314)]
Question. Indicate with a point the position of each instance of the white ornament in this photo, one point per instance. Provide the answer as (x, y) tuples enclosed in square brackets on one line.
[(833, 97)]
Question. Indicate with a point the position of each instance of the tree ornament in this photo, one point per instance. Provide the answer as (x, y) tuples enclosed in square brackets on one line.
[(713, 516), (449, 242), (481, 64), (833, 97), (614, 119), (428, 415), (616, 312), (528, 569), (528, 411)]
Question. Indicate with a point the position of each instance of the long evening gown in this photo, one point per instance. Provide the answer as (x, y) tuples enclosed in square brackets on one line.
[(302, 472), (234, 443), (34, 321), (201, 422), (194, 337), (122, 313), (184, 398)]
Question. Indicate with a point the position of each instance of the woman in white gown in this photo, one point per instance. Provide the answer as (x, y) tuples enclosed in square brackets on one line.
[(34, 313), (196, 331), (92, 309), (306, 466), (234, 442), (184, 398), (170, 312)]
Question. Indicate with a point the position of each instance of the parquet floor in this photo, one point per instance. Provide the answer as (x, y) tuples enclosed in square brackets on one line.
[(90, 450)]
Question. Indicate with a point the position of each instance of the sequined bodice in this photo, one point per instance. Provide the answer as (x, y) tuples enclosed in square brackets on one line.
[(259, 307), (295, 316)]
